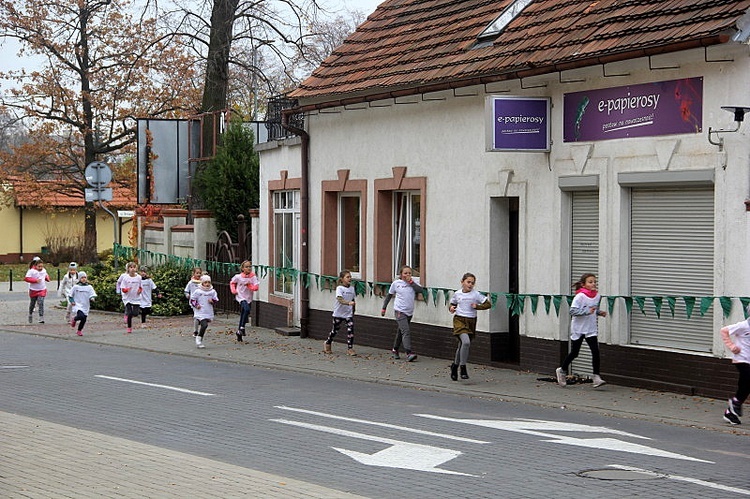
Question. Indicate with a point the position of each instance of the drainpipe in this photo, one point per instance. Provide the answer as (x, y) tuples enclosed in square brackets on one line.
[(20, 233), (304, 292)]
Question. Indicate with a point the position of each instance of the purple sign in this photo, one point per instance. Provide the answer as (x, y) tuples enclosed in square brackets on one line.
[(647, 110), (520, 123)]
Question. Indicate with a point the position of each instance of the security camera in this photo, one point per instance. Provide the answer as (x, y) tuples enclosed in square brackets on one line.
[(739, 111)]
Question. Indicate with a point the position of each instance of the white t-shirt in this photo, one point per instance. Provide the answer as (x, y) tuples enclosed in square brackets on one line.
[(740, 336), (246, 285), (405, 296), (463, 302), (41, 275), (584, 323), (81, 295), (339, 309), (148, 286), (133, 286), (205, 298)]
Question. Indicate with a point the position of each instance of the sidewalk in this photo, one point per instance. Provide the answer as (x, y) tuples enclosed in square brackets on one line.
[(266, 348)]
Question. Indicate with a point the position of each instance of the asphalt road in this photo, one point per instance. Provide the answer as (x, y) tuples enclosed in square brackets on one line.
[(360, 437)]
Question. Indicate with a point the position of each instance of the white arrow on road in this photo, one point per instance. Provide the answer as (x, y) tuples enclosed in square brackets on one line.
[(407, 456), (534, 427), (402, 455)]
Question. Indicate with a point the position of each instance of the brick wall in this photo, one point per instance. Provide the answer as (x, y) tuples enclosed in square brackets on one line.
[(628, 366)]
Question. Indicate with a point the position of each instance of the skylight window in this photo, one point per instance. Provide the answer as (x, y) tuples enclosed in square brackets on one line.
[(486, 37)]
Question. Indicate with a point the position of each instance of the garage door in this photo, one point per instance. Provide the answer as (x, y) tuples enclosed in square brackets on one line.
[(584, 254), (672, 254)]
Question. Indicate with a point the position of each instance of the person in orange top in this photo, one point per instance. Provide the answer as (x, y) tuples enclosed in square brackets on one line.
[(37, 278)]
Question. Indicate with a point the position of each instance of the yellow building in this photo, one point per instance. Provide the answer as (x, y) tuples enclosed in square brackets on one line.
[(37, 227)]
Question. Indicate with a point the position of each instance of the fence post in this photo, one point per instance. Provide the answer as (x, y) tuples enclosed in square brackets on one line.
[(241, 243), (10, 279)]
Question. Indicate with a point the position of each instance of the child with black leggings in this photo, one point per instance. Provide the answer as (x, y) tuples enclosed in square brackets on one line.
[(80, 297), (583, 325), (737, 339)]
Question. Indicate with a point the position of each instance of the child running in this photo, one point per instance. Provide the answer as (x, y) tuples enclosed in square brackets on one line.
[(583, 325), (148, 286), (37, 278), (202, 301), (343, 311), (129, 287), (242, 286), (737, 339), (69, 280), (405, 289), (80, 297), (193, 284), (464, 304)]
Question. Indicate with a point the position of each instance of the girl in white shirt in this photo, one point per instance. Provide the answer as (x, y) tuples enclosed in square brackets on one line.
[(583, 325), (37, 278), (464, 304), (202, 300), (405, 289), (737, 339), (129, 287), (343, 312)]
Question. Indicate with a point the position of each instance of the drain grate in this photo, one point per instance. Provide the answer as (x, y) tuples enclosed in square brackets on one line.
[(608, 474)]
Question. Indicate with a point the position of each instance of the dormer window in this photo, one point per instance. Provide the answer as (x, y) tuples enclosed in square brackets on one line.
[(487, 36)]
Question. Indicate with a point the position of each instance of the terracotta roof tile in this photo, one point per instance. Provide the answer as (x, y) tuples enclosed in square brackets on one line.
[(28, 195), (416, 43)]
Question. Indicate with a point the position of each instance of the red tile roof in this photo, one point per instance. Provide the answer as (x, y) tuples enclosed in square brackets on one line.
[(427, 44), (45, 194)]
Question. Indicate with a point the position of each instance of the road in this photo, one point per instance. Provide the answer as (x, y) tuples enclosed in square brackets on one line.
[(350, 436)]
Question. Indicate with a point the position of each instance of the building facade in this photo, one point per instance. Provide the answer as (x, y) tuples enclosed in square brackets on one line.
[(621, 178)]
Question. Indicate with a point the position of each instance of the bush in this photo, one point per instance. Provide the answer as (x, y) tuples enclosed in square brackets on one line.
[(170, 281)]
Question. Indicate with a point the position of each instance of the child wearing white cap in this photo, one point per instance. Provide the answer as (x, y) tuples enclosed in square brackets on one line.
[(202, 300), (80, 297), (66, 284)]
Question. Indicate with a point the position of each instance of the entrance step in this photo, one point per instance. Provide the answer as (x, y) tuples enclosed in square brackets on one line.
[(288, 331)]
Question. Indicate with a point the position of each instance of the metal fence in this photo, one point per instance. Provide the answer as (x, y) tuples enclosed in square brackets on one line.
[(18, 276)]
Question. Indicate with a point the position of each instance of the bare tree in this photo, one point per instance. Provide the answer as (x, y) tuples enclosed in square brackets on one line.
[(103, 69)]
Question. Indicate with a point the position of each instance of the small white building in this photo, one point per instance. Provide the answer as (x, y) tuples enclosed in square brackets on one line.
[(526, 142)]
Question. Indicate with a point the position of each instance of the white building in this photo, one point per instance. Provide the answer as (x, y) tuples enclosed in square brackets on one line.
[(617, 174)]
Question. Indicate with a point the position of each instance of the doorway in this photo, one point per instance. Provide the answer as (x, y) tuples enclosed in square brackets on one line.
[(503, 251)]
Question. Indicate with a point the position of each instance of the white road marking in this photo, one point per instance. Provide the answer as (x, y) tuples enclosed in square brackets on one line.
[(383, 425), (533, 427), (403, 455), (166, 387), (12, 367), (695, 481)]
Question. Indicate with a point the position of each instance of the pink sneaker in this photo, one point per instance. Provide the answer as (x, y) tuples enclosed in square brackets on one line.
[(125, 318), (79, 333), (130, 330), (72, 323)]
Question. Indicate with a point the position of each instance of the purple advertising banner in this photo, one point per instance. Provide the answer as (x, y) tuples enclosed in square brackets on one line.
[(520, 123), (647, 110)]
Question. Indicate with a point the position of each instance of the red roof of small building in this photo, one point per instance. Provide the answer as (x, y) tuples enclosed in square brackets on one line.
[(47, 194), (428, 44)]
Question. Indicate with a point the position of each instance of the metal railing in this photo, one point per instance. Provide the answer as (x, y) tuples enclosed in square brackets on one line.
[(18, 278)]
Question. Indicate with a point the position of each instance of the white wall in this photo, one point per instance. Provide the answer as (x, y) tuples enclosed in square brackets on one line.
[(444, 140)]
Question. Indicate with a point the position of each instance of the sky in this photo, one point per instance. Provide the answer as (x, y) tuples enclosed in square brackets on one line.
[(9, 48), (366, 6)]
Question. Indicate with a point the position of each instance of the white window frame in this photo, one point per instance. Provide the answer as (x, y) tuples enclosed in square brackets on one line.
[(342, 216), (286, 205), (407, 229)]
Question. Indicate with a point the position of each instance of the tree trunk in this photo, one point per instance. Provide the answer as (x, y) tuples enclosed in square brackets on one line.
[(89, 234)]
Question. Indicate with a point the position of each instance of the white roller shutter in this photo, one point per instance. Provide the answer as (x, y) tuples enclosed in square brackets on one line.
[(672, 254), (584, 254)]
